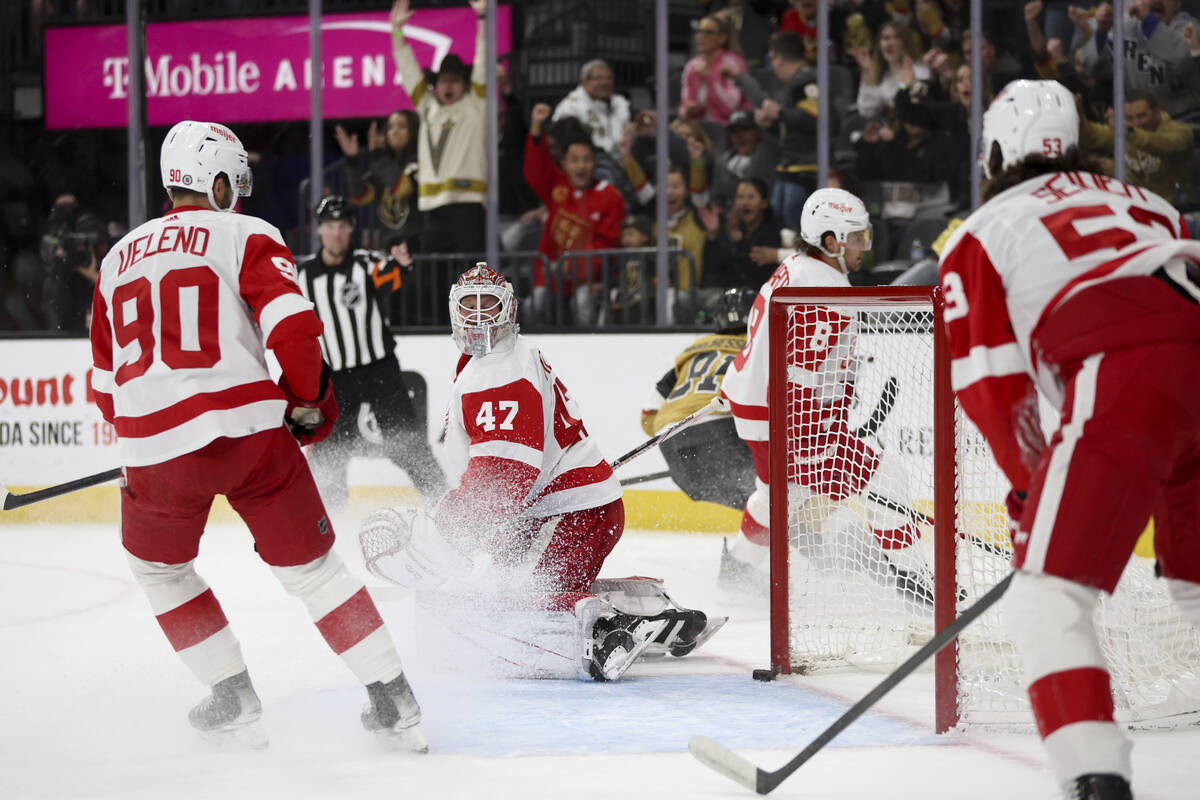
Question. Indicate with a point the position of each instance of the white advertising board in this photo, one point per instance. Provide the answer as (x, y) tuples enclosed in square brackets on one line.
[(51, 432)]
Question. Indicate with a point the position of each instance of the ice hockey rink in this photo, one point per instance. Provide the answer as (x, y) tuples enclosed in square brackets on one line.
[(94, 701)]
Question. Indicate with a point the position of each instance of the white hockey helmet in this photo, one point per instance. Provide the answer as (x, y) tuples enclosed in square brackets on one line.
[(838, 212), (1029, 118), (489, 323), (194, 153)]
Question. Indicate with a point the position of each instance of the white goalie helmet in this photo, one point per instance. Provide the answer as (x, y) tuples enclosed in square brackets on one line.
[(483, 312), (194, 153), (838, 212), (1029, 118)]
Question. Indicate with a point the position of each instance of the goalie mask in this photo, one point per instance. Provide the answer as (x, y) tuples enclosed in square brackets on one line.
[(1028, 118), (837, 212), (195, 153), (483, 312)]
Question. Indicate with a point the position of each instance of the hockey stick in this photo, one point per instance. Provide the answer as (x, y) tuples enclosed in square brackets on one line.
[(717, 404), (12, 501), (720, 758), (887, 399), (653, 476)]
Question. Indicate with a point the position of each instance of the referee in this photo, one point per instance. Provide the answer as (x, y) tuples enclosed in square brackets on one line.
[(376, 412)]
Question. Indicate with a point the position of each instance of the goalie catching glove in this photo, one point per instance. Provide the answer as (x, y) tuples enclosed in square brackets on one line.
[(404, 546), (310, 421)]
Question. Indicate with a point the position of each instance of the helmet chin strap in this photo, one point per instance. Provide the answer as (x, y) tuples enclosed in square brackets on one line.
[(839, 256), (213, 201)]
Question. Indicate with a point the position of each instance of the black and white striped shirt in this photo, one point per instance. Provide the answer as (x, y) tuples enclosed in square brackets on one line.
[(347, 301)]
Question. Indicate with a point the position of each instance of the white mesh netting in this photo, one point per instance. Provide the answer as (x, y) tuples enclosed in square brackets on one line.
[(859, 436)]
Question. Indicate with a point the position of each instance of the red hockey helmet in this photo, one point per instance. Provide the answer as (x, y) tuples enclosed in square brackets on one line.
[(483, 312)]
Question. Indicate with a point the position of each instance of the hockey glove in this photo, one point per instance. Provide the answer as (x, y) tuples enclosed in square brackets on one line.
[(1015, 503), (310, 421)]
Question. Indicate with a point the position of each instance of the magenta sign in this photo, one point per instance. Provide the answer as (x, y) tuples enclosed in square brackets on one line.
[(247, 70)]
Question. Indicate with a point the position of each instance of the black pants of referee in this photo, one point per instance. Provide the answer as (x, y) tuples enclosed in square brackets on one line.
[(708, 461), (373, 403)]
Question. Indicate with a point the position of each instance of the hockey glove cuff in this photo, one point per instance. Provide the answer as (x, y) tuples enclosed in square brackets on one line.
[(310, 421)]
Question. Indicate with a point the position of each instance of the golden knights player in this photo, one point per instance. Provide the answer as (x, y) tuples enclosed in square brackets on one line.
[(708, 460)]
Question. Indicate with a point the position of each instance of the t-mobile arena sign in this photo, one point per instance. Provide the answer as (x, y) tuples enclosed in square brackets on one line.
[(247, 70)]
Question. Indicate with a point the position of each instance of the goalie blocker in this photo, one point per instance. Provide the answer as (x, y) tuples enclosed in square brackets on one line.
[(467, 604)]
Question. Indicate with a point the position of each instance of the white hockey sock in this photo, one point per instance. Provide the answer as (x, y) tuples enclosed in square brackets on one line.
[(1187, 599), (747, 551), (192, 619), (345, 615)]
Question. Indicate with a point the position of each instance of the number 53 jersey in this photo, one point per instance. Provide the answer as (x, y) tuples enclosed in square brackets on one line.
[(1054, 269), (180, 316), (516, 443)]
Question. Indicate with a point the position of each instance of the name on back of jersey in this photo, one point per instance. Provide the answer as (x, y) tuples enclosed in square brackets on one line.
[(191, 239)]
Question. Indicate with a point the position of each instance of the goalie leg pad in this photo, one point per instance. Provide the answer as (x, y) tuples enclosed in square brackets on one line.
[(633, 595), (191, 617)]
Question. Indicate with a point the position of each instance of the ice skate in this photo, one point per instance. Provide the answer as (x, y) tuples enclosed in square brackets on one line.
[(686, 630), (735, 575), (695, 633), (392, 713), (619, 641), (231, 715), (1099, 787)]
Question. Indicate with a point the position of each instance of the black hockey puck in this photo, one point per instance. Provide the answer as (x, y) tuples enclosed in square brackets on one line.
[(765, 674)]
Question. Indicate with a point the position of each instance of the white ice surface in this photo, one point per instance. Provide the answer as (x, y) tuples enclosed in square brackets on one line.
[(93, 702)]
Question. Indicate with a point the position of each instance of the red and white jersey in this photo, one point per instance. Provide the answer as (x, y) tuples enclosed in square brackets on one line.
[(817, 361), (180, 316), (516, 445), (1029, 282)]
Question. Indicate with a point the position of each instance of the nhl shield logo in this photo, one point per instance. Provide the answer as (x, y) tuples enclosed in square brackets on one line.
[(351, 295)]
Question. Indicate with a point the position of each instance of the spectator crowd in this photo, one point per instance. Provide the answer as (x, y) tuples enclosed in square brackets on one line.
[(577, 193)]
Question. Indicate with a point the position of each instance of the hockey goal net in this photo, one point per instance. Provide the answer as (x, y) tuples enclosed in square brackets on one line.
[(888, 518)]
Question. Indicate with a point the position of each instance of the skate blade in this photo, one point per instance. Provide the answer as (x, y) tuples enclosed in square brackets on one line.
[(249, 736), (405, 740), (714, 624)]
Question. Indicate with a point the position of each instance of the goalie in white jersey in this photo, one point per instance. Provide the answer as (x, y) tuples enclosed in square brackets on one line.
[(182, 314), (1087, 288), (535, 511), (838, 478)]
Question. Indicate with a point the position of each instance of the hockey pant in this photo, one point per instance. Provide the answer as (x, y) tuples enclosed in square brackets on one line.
[(1128, 448), (710, 462)]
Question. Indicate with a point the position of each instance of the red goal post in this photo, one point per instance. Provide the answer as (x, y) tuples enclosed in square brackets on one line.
[(888, 519), (893, 297)]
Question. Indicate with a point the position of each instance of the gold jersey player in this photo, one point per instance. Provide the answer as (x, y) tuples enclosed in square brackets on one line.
[(708, 460)]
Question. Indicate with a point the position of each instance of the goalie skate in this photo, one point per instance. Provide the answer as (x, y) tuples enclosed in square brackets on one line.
[(392, 714), (686, 630), (618, 641), (231, 716)]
